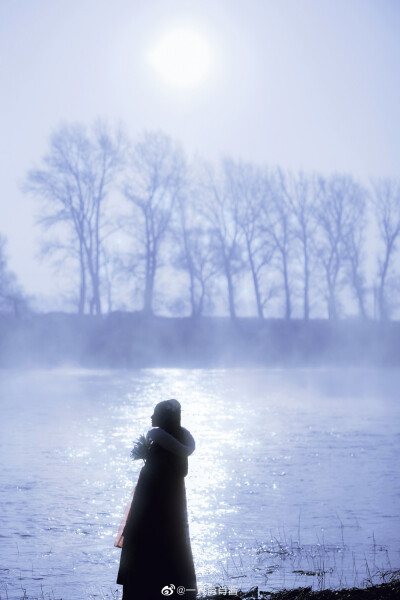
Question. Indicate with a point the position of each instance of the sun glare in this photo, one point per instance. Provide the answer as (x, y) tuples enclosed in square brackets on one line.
[(182, 57)]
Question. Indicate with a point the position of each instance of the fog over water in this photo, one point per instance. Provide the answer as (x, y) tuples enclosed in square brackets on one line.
[(294, 470)]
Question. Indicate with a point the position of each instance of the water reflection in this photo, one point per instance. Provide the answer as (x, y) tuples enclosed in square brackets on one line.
[(294, 480)]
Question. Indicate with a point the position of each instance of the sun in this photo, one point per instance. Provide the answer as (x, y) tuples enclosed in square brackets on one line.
[(182, 57)]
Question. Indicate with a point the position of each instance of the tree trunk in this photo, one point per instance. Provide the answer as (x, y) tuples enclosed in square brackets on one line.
[(306, 287), (95, 301), (231, 299), (360, 296), (383, 313), (361, 306), (260, 311), (332, 310), (149, 286), (199, 310), (192, 292), (82, 287), (288, 305), (96, 273), (96, 293)]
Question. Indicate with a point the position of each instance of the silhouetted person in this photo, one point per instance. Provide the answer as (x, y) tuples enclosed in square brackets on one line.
[(156, 549)]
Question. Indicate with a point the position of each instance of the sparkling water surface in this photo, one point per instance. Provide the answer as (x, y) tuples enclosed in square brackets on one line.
[(294, 481)]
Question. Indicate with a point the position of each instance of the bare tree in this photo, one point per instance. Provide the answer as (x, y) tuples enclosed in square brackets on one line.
[(12, 298), (220, 207), (114, 277), (78, 174), (354, 245), (279, 226), (249, 186), (194, 250), (386, 207), (155, 177), (300, 199), (339, 204)]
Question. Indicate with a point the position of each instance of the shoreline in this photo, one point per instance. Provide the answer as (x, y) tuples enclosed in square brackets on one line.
[(383, 591), (133, 340)]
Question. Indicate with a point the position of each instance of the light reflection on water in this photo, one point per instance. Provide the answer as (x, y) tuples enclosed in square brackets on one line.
[(295, 472)]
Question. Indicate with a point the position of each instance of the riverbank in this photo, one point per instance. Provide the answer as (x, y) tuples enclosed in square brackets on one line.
[(133, 340), (384, 591)]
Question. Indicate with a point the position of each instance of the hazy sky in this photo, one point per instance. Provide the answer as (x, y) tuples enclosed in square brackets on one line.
[(310, 84)]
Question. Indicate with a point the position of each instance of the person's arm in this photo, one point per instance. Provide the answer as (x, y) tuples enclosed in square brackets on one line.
[(170, 443)]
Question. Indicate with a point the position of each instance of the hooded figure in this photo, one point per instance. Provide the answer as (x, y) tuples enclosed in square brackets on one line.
[(156, 551)]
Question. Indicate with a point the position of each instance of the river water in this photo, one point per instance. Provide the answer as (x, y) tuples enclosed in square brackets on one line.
[(294, 481)]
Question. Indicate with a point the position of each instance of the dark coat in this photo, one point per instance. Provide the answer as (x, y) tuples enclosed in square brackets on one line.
[(156, 550)]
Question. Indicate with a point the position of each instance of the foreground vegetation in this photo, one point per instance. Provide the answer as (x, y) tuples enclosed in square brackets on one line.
[(379, 581), (383, 591)]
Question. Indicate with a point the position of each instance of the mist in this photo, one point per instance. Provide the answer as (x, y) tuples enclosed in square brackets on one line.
[(201, 202)]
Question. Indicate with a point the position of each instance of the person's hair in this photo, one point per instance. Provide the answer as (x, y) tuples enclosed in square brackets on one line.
[(168, 413)]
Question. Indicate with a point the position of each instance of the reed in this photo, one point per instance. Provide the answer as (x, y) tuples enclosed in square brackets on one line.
[(301, 563), (387, 590)]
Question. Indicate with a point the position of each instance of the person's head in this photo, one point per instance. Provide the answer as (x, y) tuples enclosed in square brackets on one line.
[(167, 415)]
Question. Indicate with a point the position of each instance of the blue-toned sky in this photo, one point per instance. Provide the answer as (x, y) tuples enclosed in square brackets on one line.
[(305, 84)]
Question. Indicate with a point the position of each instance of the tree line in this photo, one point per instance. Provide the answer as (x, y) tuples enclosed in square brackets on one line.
[(117, 213)]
